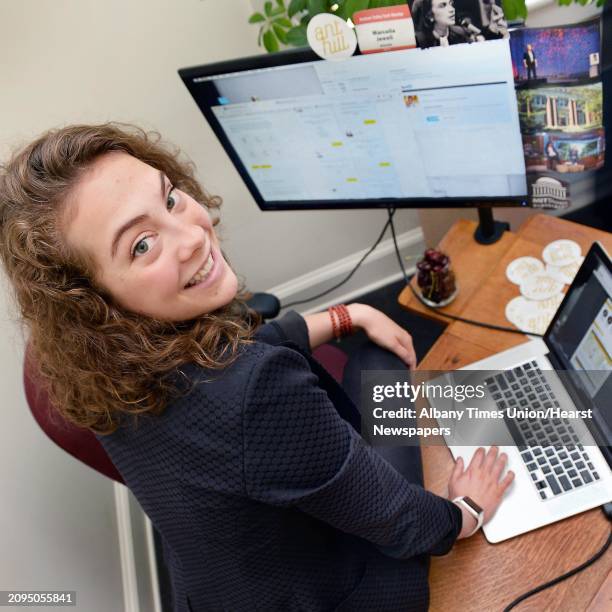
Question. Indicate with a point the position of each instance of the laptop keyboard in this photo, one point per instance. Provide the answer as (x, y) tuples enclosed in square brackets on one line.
[(550, 448)]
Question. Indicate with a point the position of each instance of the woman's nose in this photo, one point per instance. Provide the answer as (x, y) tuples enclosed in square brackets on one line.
[(190, 239)]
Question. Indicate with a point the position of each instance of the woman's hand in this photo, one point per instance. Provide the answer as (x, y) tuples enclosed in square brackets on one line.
[(381, 330), (481, 482)]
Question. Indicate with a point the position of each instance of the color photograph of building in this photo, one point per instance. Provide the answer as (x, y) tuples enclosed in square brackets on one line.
[(565, 109)]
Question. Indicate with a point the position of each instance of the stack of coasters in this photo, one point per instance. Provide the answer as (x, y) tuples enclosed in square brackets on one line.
[(542, 286)]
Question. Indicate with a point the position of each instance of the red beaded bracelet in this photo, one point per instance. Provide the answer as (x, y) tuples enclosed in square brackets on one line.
[(335, 328), (344, 324), (345, 320)]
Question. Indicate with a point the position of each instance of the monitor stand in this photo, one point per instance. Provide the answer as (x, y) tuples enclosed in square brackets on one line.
[(489, 230)]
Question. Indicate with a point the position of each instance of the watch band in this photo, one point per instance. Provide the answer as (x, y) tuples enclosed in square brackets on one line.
[(474, 509)]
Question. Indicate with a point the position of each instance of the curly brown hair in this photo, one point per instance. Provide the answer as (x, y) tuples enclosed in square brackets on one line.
[(99, 361)]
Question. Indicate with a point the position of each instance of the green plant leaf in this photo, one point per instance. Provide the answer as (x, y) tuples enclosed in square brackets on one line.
[(270, 42), (280, 33), (296, 6), (283, 21), (261, 30), (349, 7), (305, 19), (281, 3), (510, 9), (296, 37), (268, 9), (278, 10), (316, 6), (256, 18), (383, 3)]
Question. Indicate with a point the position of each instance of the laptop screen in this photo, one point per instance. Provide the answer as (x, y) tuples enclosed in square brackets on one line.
[(580, 336)]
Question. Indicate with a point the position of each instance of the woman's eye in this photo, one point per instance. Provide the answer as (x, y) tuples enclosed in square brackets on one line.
[(142, 247), (138, 250), (173, 198)]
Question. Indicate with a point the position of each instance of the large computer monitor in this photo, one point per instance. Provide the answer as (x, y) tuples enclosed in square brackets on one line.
[(415, 128)]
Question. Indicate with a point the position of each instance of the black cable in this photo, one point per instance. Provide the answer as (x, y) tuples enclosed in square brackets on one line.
[(477, 323), (314, 297), (397, 252), (444, 314), (554, 581)]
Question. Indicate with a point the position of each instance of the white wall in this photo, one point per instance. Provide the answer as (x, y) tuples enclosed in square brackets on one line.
[(546, 13), (67, 61)]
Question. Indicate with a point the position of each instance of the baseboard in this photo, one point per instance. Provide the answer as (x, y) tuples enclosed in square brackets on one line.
[(126, 549), (153, 574), (378, 270), (137, 554)]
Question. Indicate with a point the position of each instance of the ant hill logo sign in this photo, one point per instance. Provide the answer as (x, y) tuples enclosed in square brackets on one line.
[(331, 37)]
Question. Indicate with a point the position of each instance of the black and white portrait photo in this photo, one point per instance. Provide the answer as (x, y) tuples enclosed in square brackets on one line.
[(441, 23)]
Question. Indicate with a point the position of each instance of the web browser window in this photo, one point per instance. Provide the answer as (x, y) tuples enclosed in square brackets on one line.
[(407, 124)]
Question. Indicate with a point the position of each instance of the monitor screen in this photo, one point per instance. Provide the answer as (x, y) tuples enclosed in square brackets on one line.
[(580, 335), (410, 128)]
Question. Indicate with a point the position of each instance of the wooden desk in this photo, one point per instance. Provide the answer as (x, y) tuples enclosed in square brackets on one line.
[(476, 575)]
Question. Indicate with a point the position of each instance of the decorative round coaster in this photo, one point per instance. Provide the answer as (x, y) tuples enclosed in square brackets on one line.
[(565, 273), (561, 253), (530, 315), (541, 287), (522, 268)]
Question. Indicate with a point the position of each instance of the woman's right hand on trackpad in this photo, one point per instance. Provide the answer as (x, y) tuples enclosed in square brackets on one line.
[(482, 482)]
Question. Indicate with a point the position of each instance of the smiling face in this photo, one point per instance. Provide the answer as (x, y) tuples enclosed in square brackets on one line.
[(148, 240), (443, 12)]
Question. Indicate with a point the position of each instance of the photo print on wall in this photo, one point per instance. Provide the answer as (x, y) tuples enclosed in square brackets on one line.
[(548, 56), (560, 103), (441, 23)]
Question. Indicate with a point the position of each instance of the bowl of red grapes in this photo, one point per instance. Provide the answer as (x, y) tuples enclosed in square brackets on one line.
[(436, 279)]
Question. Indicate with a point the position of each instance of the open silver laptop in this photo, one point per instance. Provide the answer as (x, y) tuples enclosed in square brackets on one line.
[(562, 466)]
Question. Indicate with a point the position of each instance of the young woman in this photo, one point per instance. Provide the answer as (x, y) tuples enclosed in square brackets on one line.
[(434, 24), (243, 451)]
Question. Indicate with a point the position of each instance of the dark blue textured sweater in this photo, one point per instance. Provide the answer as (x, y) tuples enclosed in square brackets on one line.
[(267, 500)]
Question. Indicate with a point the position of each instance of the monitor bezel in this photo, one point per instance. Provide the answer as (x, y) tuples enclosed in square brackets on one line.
[(299, 56)]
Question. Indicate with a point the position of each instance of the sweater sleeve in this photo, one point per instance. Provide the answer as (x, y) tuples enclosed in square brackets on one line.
[(298, 452), (291, 326)]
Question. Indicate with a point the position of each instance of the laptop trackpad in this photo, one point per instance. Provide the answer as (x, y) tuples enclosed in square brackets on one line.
[(472, 417)]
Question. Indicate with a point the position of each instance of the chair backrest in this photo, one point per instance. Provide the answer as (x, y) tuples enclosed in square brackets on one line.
[(332, 359), (81, 443)]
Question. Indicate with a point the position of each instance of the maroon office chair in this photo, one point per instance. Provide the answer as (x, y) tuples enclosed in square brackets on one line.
[(78, 442), (82, 444)]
